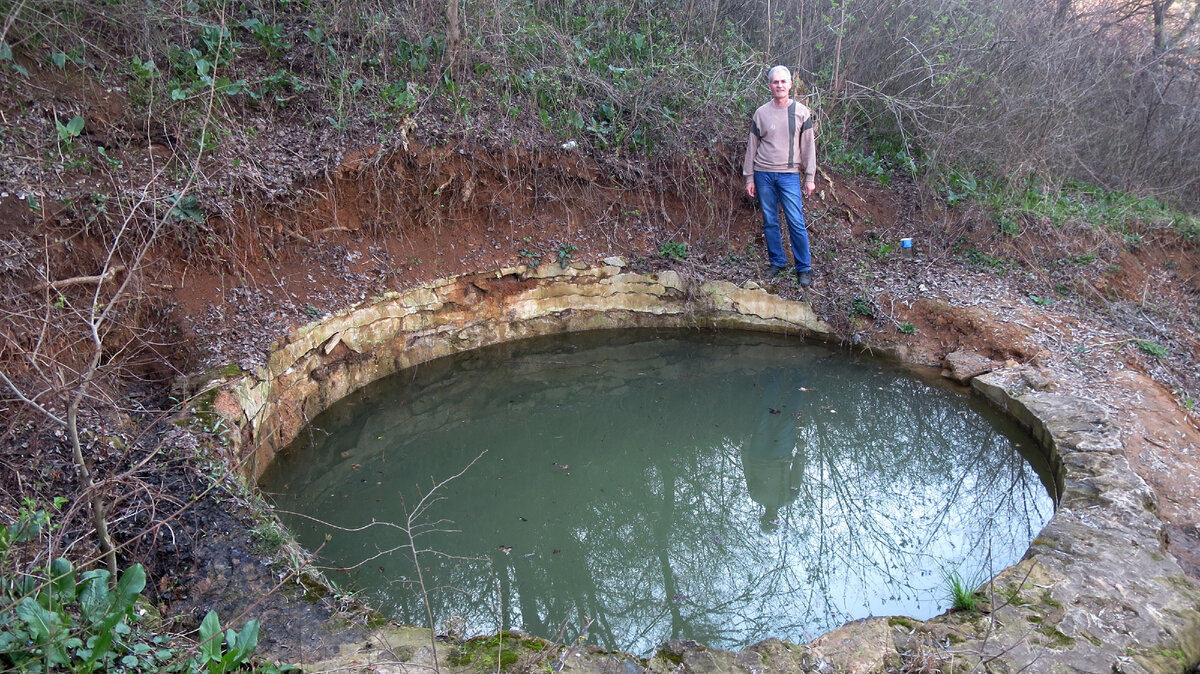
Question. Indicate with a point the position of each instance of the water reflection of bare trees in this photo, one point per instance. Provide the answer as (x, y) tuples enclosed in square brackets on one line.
[(665, 490)]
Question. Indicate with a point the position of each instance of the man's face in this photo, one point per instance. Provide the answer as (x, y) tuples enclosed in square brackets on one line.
[(781, 86)]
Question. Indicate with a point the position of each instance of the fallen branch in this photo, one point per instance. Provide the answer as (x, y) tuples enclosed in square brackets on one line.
[(82, 280), (334, 229), (829, 180), (297, 235)]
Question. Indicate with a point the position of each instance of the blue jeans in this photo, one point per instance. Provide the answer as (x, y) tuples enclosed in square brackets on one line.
[(774, 189)]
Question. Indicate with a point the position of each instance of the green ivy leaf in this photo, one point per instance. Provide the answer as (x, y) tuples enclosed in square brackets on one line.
[(132, 582), (93, 599), (42, 623), (210, 638), (247, 640), (71, 129), (62, 580), (44, 627)]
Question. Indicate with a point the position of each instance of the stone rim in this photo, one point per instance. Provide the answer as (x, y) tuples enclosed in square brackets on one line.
[(1096, 591)]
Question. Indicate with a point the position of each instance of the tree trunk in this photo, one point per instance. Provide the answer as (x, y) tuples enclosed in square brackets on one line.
[(453, 33)]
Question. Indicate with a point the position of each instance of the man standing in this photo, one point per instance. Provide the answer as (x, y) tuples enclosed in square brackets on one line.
[(782, 144)]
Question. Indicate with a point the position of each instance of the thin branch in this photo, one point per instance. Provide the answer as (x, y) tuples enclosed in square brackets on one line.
[(35, 405), (82, 280)]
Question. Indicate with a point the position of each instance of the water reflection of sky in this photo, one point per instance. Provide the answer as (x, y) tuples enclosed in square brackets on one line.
[(711, 487)]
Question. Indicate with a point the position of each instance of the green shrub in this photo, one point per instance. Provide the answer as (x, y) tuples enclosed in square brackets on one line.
[(63, 619), (673, 250), (70, 620), (861, 306)]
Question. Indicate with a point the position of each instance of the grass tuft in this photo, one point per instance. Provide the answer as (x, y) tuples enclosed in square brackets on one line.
[(962, 592)]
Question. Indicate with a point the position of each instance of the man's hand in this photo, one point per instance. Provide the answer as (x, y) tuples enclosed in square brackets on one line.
[(809, 188), (750, 189)]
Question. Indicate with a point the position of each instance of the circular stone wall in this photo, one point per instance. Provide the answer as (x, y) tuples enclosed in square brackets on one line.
[(1097, 591)]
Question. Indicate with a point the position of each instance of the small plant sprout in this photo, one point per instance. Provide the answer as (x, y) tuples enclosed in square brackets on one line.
[(532, 256), (220, 655), (565, 251), (143, 71), (908, 328), (269, 35), (7, 61), (113, 162), (1152, 348), (71, 130), (186, 208)]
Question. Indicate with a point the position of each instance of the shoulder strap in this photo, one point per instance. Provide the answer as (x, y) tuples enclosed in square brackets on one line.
[(754, 129), (792, 135)]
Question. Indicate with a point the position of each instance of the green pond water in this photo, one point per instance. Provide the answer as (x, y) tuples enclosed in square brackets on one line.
[(722, 487)]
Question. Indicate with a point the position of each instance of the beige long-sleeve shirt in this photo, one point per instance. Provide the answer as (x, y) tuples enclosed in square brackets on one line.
[(775, 145)]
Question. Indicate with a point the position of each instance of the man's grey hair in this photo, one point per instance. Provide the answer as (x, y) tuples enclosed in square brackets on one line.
[(778, 69)]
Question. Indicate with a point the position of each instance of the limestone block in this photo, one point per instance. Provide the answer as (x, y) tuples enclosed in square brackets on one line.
[(424, 298), (332, 343), (550, 290), (622, 284), (962, 366), (363, 338), (550, 270), (252, 394), (858, 647), (770, 307), (671, 279), (779, 656)]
